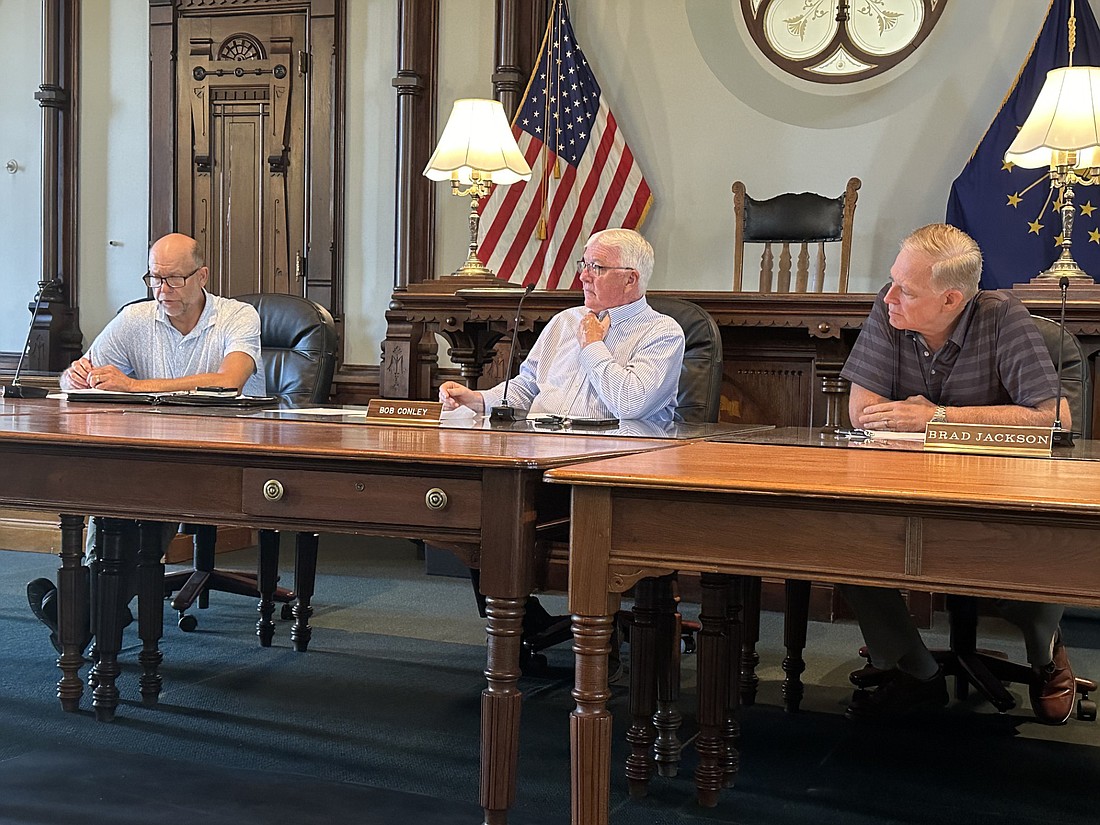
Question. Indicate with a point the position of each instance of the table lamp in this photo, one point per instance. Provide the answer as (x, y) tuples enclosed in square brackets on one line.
[(476, 150), (1063, 132)]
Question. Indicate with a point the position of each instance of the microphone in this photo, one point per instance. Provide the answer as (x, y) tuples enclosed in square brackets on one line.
[(15, 389), (503, 412), (1061, 438)]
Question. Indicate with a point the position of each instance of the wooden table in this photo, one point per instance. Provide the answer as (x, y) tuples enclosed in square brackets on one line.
[(475, 487), (1021, 528)]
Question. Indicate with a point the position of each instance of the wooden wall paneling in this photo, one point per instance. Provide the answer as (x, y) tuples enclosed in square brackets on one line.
[(321, 274), (520, 27), (416, 84)]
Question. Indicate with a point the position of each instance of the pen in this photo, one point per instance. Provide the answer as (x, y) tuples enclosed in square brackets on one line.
[(855, 432)]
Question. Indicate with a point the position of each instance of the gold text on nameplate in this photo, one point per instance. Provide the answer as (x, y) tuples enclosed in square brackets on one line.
[(404, 412), (994, 439)]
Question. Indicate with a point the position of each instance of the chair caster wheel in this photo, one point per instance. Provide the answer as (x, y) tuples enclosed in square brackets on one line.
[(286, 612), (187, 623), (1086, 710), (687, 643)]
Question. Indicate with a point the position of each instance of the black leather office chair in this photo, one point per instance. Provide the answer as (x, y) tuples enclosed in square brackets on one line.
[(298, 345)]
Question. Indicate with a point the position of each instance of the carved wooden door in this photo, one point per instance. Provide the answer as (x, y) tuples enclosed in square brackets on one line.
[(241, 119)]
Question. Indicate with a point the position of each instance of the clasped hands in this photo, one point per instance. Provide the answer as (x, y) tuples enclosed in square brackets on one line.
[(908, 416), (84, 376)]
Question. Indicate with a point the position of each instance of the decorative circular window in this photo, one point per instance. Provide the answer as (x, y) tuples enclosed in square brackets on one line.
[(241, 47), (839, 41)]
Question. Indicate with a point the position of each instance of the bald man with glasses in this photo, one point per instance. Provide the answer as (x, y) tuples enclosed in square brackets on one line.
[(184, 339)]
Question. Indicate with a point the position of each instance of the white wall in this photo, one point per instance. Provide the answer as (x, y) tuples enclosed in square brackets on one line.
[(20, 193), (371, 176), (113, 229)]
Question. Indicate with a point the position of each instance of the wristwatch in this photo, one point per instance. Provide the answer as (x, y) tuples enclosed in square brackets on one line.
[(940, 416)]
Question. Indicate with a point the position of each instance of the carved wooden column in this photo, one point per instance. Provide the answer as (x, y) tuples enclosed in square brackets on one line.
[(56, 338), (414, 242), (520, 25), (407, 349), (162, 116)]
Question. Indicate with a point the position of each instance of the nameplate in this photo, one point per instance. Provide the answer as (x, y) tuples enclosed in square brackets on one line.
[(995, 439), (404, 412)]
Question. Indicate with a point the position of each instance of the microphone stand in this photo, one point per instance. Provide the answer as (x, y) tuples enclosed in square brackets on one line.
[(504, 412), (1060, 437), (15, 389)]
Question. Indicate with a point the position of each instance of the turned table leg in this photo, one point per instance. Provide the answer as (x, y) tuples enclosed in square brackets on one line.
[(590, 722), (72, 611)]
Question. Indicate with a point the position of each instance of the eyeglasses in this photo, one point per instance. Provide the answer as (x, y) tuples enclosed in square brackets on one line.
[(174, 281), (596, 269)]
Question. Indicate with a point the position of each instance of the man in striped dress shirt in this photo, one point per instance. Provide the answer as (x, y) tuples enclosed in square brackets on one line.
[(614, 357), (935, 348)]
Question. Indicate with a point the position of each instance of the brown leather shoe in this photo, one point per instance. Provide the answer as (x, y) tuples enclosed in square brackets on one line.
[(1053, 688), (870, 676), (899, 696)]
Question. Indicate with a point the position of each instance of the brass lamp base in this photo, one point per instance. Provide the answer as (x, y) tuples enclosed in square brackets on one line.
[(1064, 267), (472, 268)]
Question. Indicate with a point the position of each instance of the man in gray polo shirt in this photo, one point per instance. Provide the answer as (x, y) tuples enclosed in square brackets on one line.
[(935, 348), (185, 338)]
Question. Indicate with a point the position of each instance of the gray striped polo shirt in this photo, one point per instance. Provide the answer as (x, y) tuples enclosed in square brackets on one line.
[(994, 356)]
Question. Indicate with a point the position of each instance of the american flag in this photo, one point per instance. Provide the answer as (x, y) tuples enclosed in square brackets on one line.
[(584, 176)]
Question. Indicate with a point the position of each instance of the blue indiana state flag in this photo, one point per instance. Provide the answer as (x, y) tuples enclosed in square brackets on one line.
[(1012, 212)]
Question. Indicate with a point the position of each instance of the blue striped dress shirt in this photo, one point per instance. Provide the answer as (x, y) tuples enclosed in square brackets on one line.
[(632, 374)]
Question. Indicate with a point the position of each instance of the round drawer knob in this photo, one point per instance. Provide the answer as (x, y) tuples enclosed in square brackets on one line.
[(436, 499), (273, 489)]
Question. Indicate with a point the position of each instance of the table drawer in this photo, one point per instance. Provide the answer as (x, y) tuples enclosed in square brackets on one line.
[(363, 497)]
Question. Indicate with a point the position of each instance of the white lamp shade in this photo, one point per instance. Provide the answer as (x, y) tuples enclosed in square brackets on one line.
[(1064, 119), (477, 138)]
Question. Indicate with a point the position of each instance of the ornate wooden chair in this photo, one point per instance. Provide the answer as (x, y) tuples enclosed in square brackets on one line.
[(802, 221), (298, 345)]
